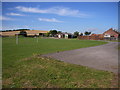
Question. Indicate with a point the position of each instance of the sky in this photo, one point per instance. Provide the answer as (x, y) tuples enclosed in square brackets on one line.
[(96, 17)]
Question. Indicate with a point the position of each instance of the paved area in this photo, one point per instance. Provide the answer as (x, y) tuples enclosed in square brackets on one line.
[(103, 57)]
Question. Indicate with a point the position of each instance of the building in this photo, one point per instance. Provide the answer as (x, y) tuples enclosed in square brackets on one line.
[(35, 32), (111, 34), (68, 35), (107, 35), (92, 37), (10, 33), (29, 33), (98, 35), (65, 35), (61, 35)]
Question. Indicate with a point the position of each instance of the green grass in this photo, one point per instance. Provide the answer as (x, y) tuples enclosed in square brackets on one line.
[(23, 68), (39, 72), (29, 46)]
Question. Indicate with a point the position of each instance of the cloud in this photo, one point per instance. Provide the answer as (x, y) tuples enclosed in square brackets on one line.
[(15, 14), (49, 20), (30, 9), (5, 18), (62, 11)]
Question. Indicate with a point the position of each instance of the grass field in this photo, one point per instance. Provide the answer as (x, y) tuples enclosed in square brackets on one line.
[(22, 67)]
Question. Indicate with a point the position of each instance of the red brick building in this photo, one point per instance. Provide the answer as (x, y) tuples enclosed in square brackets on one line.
[(92, 37), (111, 33), (98, 35)]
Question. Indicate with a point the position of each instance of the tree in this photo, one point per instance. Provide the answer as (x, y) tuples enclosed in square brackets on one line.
[(23, 33), (81, 34), (76, 33), (59, 32), (53, 32), (87, 33), (47, 34), (22, 29)]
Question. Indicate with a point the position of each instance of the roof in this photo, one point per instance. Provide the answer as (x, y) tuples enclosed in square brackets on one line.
[(36, 31), (66, 33), (111, 32), (12, 33), (96, 34)]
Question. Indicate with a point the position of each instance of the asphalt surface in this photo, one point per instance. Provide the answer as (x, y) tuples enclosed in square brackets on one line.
[(103, 57)]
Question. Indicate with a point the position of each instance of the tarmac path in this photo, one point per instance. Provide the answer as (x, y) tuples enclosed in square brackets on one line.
[(103, 57)]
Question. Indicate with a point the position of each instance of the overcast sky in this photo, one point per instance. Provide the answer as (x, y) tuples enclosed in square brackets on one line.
[(63, 16)]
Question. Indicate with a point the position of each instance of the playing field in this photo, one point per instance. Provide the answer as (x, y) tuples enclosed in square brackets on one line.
[(30, 46), (23, 68)]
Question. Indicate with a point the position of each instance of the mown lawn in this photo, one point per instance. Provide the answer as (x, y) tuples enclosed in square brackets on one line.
[(29, 46), (22, 67)]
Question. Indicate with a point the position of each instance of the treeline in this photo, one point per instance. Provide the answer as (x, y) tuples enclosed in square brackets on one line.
[(53, 33), (14, 30)]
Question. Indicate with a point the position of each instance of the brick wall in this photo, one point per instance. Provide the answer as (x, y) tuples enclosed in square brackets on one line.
[(90, 37)]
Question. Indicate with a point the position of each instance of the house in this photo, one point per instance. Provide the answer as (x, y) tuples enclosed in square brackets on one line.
[(68, 35), (65, 35), (111, 34), (61, 35)]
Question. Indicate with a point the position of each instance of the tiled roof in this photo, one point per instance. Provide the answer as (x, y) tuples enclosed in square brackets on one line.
[(111, 32)]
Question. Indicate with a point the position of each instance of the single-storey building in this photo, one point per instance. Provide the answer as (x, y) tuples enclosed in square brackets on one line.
[(35, 32), (28, 32), (65, 35), (61, 35), (10, 33)]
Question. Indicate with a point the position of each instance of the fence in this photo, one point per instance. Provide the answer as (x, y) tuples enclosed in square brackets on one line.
[(110, 38)]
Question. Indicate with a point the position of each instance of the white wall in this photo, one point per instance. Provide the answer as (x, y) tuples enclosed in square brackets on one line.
[(106, 35), (59, 36)]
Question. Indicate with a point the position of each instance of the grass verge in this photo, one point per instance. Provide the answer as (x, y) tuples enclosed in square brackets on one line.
[(41, 72)]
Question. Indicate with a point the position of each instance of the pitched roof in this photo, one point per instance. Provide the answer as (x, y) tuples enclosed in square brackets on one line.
[(96, 34), (111, 32), (35, 31), (65, 33)]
